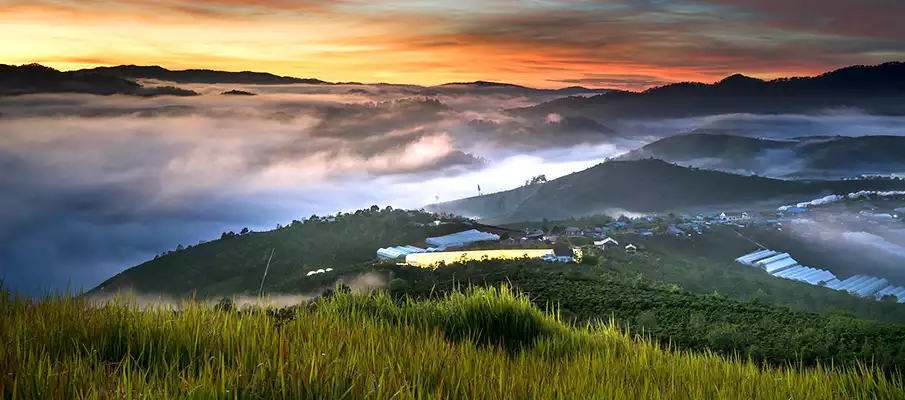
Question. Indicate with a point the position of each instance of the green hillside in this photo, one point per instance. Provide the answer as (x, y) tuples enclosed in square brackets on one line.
[(646, 186), (236, 263), (807, 156), (685, 292), (486, 344), (766, 333), (731, 149)]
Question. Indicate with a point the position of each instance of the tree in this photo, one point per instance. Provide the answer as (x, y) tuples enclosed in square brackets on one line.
[(399, 285), (375, 208), (538, 179), (180, 248), (244, 231)]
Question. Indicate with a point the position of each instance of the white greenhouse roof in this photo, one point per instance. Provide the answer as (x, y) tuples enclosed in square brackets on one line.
[(397, 252), (779, 265), (852, 282), (755, 256), (872, 288), (461, 238), (773, 258)]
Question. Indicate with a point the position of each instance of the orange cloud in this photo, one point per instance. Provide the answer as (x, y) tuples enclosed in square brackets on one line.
[(539, 44)]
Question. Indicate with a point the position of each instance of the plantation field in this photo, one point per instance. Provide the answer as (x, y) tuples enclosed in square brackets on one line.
[(488, 343)]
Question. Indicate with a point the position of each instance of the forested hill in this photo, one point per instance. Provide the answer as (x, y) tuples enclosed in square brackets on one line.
[(35, 78), (812, 157), (647, 185), (196, 75), (235, 263), (876, 88)]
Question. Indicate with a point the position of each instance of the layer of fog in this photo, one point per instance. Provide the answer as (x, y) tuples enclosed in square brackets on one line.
[(868, 249), (146, 301), (849, 122), (101, 184), (781, 163)]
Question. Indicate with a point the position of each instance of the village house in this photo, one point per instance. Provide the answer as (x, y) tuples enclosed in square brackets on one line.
[(561, 254), (630, 248), (573, 231), (733, 217), (602, 244)]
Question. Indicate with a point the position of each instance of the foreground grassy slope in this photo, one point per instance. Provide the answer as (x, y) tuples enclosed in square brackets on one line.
[(487, 344), (755, 328)]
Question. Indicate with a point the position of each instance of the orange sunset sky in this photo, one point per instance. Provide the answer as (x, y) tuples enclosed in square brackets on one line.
[(630, 44)]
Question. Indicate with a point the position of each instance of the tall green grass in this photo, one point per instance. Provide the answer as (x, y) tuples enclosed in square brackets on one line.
[(485, 343)]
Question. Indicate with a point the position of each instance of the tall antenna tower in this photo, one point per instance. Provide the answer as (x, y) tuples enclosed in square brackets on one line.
[(261, 290)]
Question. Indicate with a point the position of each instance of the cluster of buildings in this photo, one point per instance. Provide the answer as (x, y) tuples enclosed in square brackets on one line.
[(440, 250), (782, 265)]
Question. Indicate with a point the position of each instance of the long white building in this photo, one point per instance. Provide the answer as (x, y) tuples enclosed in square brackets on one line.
[(782, 265)]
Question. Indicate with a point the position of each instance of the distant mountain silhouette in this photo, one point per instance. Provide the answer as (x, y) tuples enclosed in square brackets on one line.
[(235, 92), (465, 87), (197, 75), (35, 78), (879, 89), (827, 156), (484, 84), (135, 72)]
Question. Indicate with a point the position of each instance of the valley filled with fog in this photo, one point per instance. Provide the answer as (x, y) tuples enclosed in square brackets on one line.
[(93, 185)]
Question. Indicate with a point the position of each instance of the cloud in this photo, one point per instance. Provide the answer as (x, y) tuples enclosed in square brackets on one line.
[(616, 43), (785, 126), (104, 183), (617, 81)]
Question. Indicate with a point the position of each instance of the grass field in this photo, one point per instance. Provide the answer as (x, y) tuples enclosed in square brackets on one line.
[(487, 343)]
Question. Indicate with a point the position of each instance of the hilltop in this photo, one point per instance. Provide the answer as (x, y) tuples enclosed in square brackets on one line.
[(235, 263), (799, 157), (197, 75), (647, 185), (35, 78), (878, 89)]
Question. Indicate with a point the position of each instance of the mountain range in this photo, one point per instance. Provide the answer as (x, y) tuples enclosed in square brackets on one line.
[(35, 78), (645, 186), (807, 157), (878, 89), (197, 75)]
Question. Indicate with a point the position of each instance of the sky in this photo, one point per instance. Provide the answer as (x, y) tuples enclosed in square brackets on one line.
[(626, 44)]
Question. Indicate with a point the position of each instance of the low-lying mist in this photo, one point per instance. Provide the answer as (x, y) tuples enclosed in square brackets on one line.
[(93, 185), (148, 301)]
